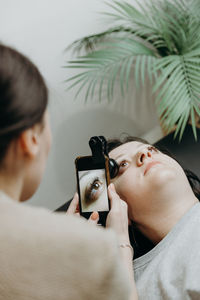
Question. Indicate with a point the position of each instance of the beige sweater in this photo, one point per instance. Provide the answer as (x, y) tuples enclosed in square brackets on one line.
[(44, 255)]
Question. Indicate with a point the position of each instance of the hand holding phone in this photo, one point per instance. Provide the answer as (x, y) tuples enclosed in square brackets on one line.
[(92, 181), (73, 209), (93, 177)]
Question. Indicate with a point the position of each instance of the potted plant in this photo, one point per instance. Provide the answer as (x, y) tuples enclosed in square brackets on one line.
[(159, 39)]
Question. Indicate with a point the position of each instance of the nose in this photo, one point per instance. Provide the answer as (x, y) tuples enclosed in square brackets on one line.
[(142, 155)]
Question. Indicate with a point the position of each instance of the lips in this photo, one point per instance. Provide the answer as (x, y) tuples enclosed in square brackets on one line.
[(149, 165)]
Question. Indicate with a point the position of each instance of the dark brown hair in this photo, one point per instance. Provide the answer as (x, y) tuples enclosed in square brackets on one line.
[(23, 96)]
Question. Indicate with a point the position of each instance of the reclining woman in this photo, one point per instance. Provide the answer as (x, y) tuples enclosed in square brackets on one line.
[(40, 251), (163, 203)]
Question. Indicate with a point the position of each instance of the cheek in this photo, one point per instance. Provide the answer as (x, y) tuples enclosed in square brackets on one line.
[(126, 187), (131, 188), (169, 173)]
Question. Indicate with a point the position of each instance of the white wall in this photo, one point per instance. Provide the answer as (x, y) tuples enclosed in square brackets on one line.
[(42, 29)]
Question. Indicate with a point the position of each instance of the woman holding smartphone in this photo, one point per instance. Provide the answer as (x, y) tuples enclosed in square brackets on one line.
[(40, 251)]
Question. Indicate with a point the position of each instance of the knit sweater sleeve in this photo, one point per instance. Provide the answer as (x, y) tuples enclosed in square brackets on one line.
[(49, 256)]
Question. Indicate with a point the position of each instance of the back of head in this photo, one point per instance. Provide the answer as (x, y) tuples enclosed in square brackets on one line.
[(23, 96)]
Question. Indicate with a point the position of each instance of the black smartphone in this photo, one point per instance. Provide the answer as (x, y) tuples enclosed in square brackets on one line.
[(92, 181)]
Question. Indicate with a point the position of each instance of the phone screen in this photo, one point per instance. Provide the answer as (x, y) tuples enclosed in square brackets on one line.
[(93, 190)]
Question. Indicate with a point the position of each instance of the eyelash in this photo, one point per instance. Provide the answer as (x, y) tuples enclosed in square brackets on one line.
[(91, 193), (121, 167), (92, 185)]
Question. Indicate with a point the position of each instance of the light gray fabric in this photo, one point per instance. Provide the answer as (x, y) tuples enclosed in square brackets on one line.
[(171, 270), (47, 256)]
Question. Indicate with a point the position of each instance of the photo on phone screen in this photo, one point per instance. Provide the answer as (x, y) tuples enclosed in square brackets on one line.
[(93, 190)]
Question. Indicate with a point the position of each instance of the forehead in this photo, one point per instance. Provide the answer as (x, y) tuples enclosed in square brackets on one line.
[(129, 147)]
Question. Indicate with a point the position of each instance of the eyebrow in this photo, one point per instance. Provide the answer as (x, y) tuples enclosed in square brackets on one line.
[(119, 156), (123, 154), (84, 174)]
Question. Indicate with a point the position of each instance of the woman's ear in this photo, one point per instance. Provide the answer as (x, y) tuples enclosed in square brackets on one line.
[(29, 141)]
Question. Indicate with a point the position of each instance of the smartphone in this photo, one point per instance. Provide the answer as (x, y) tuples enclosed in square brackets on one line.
[(92, 181)]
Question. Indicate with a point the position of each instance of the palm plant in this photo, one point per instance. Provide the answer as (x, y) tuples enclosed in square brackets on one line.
[(160, 39)]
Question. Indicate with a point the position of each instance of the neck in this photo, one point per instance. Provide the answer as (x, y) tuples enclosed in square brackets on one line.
[(11, 184), (158, 225)]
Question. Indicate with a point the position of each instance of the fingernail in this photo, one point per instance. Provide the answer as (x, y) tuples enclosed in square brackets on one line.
[(94, 215)]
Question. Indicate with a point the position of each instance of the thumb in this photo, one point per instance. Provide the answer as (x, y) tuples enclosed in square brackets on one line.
[(113, 196)]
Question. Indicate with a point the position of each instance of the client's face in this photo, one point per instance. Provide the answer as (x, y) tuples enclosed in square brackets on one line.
[(146, 177)]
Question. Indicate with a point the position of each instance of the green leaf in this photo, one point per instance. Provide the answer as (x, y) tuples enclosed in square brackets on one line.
[(80, 88), (193, 123), (143, 69), (137, 70), (181, 124), (122, 75), (111, 81), (128, 70), (91, 87)]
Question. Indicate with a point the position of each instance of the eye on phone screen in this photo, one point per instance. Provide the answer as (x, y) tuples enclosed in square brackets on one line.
[(93, 190)]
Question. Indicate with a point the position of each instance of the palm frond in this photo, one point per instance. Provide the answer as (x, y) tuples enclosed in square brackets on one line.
[(91, 42), (123, 11), (140, 20), (179, 94), (155, 22), (112, 63)]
